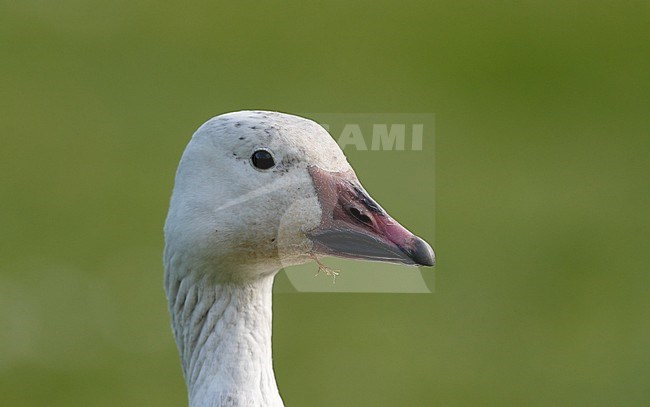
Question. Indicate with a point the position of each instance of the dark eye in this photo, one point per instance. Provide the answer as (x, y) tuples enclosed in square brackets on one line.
[(262, 159)]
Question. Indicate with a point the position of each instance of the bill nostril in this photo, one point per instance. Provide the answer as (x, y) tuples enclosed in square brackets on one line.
[(358, 215)]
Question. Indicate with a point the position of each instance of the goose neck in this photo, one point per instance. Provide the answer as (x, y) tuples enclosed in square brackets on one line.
[(223, 332)]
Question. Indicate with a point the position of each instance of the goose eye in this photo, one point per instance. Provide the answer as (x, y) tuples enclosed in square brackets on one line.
[(262, 159)]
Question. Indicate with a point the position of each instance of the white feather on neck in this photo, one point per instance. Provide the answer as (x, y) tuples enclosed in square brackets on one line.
[(223, 332)]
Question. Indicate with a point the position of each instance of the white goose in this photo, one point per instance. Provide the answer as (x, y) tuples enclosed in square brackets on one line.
[(256, 191)]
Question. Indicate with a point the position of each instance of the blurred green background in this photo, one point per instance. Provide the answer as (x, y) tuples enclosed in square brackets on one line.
[(542, 199)]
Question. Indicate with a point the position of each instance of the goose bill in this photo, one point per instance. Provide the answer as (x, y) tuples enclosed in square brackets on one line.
[(356, 227)]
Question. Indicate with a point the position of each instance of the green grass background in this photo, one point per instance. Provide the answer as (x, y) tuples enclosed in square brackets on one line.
[(542, 199)]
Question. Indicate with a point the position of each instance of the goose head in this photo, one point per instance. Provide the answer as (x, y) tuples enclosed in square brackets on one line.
[(256, 191)]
